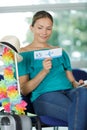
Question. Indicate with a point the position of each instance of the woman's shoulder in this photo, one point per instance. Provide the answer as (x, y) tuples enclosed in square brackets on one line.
[(25, 48)]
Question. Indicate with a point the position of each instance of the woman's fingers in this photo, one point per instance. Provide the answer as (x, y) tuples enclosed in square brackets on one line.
[(47, 63)]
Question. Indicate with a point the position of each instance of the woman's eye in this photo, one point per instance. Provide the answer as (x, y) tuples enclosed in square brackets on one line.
[(49, 29), (45, 29), (39, 28)]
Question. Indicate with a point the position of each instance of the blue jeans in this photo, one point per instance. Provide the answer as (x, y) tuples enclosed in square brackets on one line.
[(68, 105)]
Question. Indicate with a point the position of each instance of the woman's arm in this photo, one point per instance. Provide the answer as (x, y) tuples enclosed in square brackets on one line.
[(27, 85), (72, 79)]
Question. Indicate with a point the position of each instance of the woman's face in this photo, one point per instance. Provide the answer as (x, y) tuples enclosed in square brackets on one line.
[(42, 30)]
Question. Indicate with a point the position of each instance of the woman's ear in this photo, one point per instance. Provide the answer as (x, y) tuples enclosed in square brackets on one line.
[(31, 28)]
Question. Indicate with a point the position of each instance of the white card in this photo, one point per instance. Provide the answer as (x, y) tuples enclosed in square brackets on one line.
[(85, 84), (57, 52)]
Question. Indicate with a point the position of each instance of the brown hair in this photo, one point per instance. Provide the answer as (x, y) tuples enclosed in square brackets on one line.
[(41, 14)]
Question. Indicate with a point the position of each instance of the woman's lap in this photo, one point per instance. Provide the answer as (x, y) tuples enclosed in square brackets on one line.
[(54, 104), (57, 104)]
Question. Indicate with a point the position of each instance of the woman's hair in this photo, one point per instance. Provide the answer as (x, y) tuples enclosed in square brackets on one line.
[(41, 14)]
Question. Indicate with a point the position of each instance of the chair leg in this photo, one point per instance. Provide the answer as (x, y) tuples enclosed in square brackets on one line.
[(55, 128), (38, 123)]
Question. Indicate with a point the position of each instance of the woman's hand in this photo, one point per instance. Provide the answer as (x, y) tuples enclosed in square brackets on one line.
[(81, 82), (47, 64)]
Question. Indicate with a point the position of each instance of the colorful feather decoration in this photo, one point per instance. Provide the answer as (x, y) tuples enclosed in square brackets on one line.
[(10, 99)]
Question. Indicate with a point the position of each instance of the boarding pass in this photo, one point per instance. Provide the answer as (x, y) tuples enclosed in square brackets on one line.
[(42, 54)]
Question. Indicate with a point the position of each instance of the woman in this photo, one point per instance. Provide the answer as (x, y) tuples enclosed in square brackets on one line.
[(50, 80)]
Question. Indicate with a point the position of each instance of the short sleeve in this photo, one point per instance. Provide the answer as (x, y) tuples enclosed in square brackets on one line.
[(66, 61), (23, 66)]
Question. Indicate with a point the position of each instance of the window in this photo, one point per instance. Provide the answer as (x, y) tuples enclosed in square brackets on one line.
[(70, 24), (36, 2)]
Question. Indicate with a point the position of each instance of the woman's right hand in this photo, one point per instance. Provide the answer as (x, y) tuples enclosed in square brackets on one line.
[(47, 64)]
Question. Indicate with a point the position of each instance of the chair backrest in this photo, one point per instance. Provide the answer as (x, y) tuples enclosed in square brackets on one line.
[(79, 74), (1, 77)]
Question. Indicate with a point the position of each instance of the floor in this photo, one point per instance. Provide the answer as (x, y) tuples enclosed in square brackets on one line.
[(61, 128)]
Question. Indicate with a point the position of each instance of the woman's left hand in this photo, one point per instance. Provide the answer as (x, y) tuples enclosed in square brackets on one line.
[(81, 82)]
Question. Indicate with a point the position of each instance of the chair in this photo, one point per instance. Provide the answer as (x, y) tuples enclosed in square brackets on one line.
[(79, 74), (45, 121), (1, 77)]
